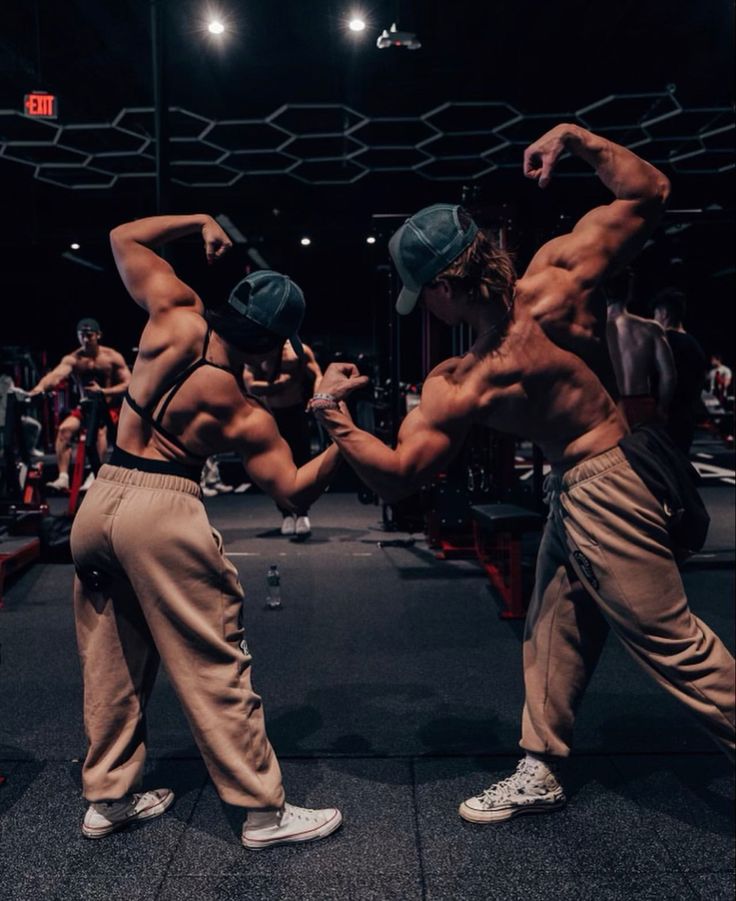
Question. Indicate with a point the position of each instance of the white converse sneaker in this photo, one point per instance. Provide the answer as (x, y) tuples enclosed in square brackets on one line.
[(532, 789), (60, 483), (87, 483), (263, 829), (303, 527), (105, 817), (288, 525)]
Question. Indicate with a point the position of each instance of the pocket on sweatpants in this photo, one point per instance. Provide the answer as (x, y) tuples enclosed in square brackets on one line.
[(579, 534)]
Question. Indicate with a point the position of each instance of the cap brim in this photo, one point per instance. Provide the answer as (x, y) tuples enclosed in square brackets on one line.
[(407, 300), (298, 347)]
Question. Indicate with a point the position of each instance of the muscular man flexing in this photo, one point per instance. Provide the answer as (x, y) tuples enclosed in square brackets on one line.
[(606, 559), (152, 579), (97, 371), (286, 395)]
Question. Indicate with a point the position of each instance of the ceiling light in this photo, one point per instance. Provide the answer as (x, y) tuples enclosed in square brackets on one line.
[(75, 246), (357, 23), (370, 239), (305, 242), (215, 27)]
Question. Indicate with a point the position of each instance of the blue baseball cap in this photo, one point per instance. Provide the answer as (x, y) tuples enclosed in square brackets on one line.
[(274, 302), (425, 245)]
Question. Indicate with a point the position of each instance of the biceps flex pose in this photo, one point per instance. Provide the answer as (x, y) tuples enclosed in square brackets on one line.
[(286, 392), (606, 560), (152, 579)]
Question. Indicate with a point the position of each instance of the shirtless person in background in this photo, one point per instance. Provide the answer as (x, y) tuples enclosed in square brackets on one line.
[(606, 560), (286, 394), (641, 357), (98, 371)]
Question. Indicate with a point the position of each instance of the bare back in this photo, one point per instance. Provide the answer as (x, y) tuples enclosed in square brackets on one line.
[(203, 410), (632, 345), (531, 388)]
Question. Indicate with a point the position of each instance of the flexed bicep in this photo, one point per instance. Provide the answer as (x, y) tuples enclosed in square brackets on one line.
[(149, 279)]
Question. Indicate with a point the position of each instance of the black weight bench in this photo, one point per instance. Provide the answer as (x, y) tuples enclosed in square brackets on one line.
[(498, 530)]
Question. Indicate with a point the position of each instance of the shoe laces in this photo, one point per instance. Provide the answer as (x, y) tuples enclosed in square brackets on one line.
[(299, 813), (526, 773)]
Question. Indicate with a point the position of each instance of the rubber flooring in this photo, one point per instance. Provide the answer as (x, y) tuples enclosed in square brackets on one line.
[(393, 690)]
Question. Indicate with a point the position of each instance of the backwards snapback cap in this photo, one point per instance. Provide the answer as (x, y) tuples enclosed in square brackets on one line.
[(274, 302), (88, 325), (425, 245)]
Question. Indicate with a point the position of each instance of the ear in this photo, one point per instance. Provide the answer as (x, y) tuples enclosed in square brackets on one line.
[(443, 285)]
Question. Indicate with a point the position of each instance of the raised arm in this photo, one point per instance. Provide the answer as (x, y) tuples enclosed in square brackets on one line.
[(558, 287), (150, 280), (430, 436)]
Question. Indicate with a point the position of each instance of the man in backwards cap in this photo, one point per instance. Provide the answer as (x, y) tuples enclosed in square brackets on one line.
[(606, 560), (152, 578)]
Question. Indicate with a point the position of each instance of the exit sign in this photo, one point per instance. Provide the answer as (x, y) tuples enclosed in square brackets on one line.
[(40, 105)]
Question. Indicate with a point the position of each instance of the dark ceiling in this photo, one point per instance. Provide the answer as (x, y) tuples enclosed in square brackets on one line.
[(539, 57)]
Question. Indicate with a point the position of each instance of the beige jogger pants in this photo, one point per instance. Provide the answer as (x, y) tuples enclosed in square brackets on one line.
[(604, 562), (166, 591)]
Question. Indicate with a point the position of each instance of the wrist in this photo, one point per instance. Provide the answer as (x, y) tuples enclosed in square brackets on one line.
[(583, 143), (322, 402), (573, 136)]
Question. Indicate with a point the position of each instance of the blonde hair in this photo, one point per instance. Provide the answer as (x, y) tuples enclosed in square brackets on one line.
[(484, 271)]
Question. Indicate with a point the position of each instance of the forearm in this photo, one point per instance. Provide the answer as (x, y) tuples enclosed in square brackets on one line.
[(156, 230), (115, 390), (625, 174), (377, 465), (311, 479), (49, 381)]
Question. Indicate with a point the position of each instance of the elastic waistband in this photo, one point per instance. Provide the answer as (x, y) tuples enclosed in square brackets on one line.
[(135, 477), (122, 458), (594, 466)]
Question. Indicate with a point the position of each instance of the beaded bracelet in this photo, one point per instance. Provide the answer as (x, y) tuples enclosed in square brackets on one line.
[(322, 402)]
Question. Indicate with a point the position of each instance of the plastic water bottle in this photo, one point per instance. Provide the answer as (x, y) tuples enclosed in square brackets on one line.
[(273, 583)]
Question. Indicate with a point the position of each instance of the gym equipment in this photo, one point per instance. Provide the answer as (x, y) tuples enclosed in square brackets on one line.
[(498, 530), (95, 415)]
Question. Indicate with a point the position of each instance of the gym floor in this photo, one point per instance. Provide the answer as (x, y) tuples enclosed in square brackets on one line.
[(393, 690)]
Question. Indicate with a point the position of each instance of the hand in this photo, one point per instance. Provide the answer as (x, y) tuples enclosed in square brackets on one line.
[(341, 379), (94, 388), (541, 157), (216, 242)]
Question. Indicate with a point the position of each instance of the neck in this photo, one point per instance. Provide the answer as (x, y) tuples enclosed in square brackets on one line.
[(488, 324), (224, 354)]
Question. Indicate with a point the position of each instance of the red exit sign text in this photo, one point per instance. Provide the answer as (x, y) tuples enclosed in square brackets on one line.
[(40, 104)]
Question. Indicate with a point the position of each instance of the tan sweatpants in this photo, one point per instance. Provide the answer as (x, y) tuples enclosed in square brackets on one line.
[(604, 562), (166, 591)]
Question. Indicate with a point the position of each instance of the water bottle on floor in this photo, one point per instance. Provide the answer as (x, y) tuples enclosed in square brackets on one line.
[(273, 588)]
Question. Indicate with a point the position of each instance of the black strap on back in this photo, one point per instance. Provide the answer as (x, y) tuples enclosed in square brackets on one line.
[(147, 411)]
